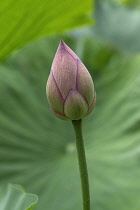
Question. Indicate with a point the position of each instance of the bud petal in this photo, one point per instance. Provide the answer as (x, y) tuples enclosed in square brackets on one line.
[(92, 105), (59, 115), (85, 84), (64, 69), (66, 47), (53, 94), (70, 89), (75, 106)]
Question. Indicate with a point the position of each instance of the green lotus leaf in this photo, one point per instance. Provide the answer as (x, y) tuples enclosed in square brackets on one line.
[(37, 150), (24, 20), (119, 25), (13, 197)]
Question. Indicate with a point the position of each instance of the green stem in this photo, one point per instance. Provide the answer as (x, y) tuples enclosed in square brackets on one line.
[(77, 124)]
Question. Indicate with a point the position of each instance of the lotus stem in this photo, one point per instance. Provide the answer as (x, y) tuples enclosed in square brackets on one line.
[(77, 125)]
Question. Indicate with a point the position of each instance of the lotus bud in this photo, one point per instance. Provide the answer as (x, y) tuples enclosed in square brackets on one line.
[(70, 89)]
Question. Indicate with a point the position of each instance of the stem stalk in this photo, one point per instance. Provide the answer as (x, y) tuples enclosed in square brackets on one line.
[(77, 125)]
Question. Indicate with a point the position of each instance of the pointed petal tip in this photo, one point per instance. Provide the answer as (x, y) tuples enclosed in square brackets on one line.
[(72, 89), (61, 44)]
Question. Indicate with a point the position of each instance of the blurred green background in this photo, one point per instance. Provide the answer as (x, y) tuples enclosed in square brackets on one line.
[(37, 150)]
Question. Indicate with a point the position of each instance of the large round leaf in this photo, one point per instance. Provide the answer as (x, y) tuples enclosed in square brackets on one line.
[(13, 197), (37, 150), (118, 25), (25, 20)]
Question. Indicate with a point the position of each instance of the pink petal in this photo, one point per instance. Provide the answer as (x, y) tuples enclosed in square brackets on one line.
[(59, 115), (62, 44), (64, 68), (54, 95), (84, 83), (92, 105)]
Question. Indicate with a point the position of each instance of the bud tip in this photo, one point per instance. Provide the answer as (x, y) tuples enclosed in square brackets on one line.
[(62, 44)]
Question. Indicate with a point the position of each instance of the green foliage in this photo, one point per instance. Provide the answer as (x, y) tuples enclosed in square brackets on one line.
[(130, 3), (13, 197), (37, 150), (24, 20), (118, 25)]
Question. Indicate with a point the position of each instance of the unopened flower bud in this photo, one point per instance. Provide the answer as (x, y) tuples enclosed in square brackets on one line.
[(70, 89)]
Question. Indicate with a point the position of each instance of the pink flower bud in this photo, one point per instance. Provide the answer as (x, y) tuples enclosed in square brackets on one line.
[(70, 89)]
